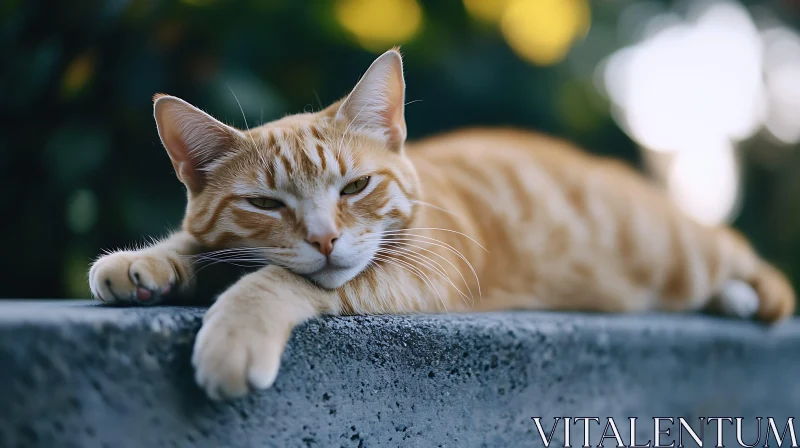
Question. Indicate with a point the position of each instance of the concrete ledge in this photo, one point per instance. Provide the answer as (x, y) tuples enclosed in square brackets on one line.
[(73, 374)]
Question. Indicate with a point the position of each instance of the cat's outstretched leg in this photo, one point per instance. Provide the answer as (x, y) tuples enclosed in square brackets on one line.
[(244, 333), (145, 276)]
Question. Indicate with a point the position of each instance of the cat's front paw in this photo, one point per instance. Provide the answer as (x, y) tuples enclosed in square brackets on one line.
[(144, 277), (238, 348)]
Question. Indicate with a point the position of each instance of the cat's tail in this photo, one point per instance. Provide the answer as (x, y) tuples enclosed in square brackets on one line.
[(775, 296)]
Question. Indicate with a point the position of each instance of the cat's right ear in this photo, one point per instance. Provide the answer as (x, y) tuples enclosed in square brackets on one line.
[(376, 104), (192, 138)]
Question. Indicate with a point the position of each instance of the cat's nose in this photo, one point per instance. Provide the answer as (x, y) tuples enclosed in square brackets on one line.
[(323, 242)]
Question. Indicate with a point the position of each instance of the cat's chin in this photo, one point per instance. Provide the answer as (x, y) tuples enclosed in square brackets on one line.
[(333, 277)]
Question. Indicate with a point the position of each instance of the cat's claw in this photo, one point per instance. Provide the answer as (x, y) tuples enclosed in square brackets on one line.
[(144, 277)]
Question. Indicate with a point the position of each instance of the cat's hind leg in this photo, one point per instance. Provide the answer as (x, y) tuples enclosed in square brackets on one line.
[(753, 288), (717, 269), (775, 293)]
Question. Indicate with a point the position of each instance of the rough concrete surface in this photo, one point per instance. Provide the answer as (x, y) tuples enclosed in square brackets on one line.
[(73, 374)]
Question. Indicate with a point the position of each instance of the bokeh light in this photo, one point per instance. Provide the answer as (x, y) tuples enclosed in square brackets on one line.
[(82, 211), (782, 82), (704, 181), (489, 11), (694, 85), (77, 75), (542, 31), (691, 81), (377, 24)]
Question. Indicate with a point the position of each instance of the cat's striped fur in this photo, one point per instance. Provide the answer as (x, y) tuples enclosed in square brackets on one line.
[(473, 220)]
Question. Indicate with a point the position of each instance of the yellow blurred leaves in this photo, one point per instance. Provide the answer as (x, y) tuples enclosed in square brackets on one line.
[(490, 11), (378, 24), (77, 74), (539, 31)]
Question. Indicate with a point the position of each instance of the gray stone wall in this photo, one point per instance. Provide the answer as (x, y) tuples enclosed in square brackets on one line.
[(77, 375)]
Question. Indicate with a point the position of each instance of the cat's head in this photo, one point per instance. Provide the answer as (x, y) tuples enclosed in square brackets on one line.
[(314, 193)]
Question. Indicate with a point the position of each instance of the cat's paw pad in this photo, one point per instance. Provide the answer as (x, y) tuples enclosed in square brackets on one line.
[(143, 277), (235, 354)]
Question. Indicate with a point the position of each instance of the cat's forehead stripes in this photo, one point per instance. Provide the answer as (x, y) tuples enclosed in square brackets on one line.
[(315, 132), (301, 156), (323, 157)]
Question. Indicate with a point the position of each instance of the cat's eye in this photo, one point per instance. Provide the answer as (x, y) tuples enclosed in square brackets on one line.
[(265, 203), (356, 186)]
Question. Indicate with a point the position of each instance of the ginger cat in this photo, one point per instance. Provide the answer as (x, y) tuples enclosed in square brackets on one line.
[(349, 219)]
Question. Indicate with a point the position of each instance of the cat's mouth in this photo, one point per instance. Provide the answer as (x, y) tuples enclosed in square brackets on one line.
[(332, 275), (330, 268)]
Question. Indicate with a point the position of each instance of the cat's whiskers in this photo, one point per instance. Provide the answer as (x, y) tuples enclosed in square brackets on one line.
[(246, 127), (392, 235), (260, 254), (319, 101), (255, 256), (349, 144), (341, 142), (435, 242), (428, 262), (416, 270), (249, 134), (406, 240), (372, 263), (428, 204), (233, 262), (237, 261), (228, 254), (388, 232), (243, 249), (400, 243), (391, 261), (233, 257)]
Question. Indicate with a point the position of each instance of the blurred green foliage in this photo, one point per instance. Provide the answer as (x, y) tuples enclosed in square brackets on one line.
[(82, 168)]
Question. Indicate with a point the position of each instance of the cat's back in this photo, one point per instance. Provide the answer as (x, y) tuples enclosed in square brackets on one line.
[(531, 180), (512, 152), (532, 197), (471, 142)]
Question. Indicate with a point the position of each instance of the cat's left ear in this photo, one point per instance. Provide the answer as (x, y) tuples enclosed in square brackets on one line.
[(376, 105), (193, 139)]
